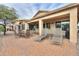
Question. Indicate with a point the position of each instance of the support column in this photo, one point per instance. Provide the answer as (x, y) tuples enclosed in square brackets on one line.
[(26, 26), (52, 27), (40, 27), (73, 25)]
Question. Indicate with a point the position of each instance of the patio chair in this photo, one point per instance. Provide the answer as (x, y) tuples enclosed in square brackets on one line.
[(57, 36), (40, 38), (24, 33), (27, 34), (20, 34), (31, 32)]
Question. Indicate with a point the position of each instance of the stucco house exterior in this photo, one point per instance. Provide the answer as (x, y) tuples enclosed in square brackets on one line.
[(23, 25), (67, 13)]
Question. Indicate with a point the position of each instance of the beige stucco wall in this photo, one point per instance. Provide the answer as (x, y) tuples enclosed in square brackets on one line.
[(73, 25)]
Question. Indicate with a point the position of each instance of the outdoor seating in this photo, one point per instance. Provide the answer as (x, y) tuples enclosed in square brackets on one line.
[(40, 38), (27, 34), (21, 33), (31, 32), (57, 36), (24, 33), (17, 35)]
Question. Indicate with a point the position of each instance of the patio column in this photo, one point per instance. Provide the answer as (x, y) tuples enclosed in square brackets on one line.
[(73, 25), (26, 26), (40, 27), (52, 27)]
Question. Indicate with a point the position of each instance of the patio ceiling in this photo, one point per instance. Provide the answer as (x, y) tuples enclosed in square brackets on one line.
[(33, 22)]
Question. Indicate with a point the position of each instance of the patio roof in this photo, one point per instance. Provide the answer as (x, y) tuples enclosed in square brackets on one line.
[(20, 20), (58, 13), (40, 13), (58, 10)]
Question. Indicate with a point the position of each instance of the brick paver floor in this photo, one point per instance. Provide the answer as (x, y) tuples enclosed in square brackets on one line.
[(11, 45)]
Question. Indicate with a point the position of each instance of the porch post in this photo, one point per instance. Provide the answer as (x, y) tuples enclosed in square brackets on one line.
[(52, 27), (26, 26), (40, 27), (73, 25)]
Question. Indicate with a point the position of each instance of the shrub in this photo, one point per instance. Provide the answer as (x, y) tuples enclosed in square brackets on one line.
[(1, 28)]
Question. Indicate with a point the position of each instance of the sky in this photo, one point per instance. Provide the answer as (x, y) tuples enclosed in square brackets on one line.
[(28, 10)]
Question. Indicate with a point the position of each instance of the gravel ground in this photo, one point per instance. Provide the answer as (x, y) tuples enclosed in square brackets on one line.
[(11, 45)]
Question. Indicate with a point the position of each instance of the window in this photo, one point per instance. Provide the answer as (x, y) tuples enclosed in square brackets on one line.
[(46, 25), (65, 25), (58, 24)]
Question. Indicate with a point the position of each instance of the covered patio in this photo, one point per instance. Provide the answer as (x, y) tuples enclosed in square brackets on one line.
[(69, 13)]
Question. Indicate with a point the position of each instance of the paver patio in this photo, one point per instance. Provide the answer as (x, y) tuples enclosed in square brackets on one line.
[(18, 46)]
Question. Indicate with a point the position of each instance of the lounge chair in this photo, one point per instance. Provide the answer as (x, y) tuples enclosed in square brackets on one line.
[(40, 38), (57, 36)]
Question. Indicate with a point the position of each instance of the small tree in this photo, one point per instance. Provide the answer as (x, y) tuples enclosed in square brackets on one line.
[(7, 13)]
